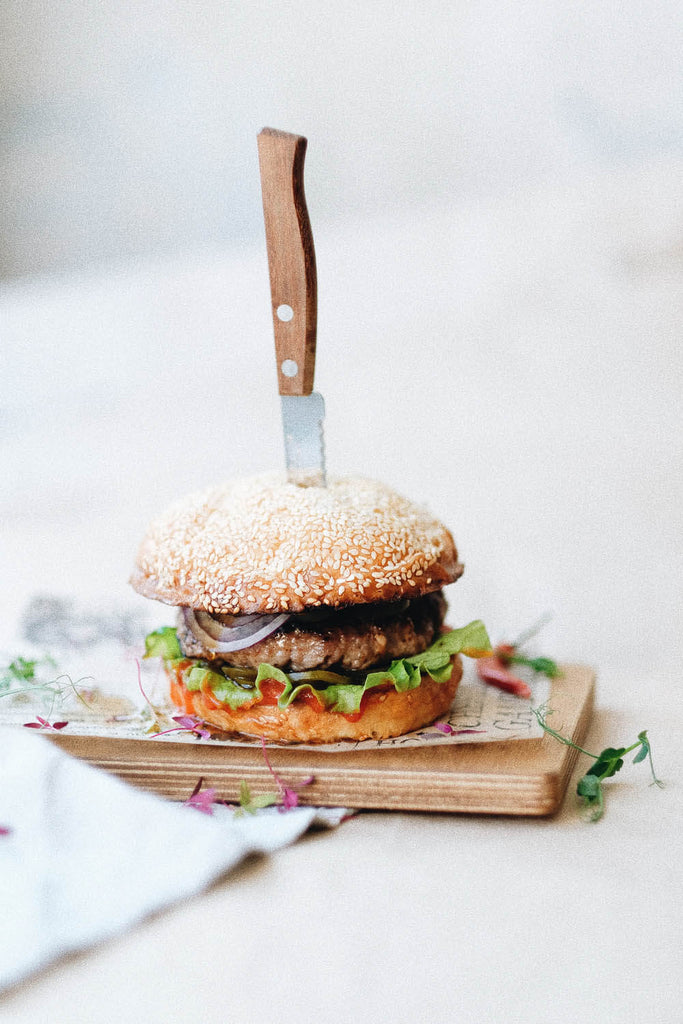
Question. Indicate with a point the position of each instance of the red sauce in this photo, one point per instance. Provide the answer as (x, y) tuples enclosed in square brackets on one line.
[(311, 701), (271, 690), (180, 695)]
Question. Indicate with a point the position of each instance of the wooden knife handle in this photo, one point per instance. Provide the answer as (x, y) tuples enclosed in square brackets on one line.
[(291, 258)]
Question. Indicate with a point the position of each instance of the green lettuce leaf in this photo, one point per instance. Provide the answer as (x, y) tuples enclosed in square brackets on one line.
[(226, 690), (471, 640), (345, 698), (163, 643)]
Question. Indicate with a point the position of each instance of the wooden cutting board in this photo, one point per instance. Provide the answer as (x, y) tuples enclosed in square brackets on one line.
[(520, 777)]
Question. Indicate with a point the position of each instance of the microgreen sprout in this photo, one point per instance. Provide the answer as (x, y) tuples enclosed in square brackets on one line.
[(21, 670), (605, 764), (288, 797), (495, 668), (201, 799), (533, 630), (187, 723), (546, 666), (448, 730), (29, 677), (43, 723), (251, 803), (23, 675), (156, 727)]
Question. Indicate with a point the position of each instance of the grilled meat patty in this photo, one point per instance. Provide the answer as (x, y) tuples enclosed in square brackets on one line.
[(353, 639)]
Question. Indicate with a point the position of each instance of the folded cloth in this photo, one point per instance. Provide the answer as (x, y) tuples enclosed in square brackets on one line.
[(83, 856)]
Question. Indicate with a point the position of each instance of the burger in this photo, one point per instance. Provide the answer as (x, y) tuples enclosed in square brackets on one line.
[(306, 614)]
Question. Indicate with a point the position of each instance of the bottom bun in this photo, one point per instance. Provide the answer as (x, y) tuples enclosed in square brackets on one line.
[(384, 713)]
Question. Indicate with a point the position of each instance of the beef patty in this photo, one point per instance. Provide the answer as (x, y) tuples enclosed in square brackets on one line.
[(353, 639)]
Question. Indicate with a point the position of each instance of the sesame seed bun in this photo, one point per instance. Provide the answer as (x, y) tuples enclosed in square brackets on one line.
[(263, 545), (384, 713)]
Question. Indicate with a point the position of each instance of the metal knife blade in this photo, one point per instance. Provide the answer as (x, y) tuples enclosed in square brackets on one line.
[(293, 289), (302, 422)]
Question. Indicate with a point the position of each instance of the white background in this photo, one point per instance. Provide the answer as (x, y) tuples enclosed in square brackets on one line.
[(127, 129)]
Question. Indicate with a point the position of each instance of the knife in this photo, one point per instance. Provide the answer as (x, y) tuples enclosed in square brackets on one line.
[(294, 296)]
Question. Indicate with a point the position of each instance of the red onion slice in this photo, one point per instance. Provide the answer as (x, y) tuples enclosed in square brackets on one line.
[(221, 627), (221, 638)]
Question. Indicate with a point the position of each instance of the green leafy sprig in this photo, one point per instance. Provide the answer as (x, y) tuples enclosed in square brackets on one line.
[(250, 803), (30, 677), (511, 654), (20, 671), (546, 666), (605, 764)]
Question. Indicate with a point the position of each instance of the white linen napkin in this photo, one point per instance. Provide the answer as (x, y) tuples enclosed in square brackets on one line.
[(83, 856)]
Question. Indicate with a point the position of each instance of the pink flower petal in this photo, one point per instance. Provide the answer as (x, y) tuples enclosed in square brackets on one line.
[(290, 798), (201, 799), (192, 724), (186, 721)]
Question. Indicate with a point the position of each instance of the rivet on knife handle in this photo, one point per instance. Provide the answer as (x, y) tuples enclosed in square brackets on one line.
[(291, 258)]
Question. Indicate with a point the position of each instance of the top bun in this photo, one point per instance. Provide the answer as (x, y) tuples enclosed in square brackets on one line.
[(262, 545)]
